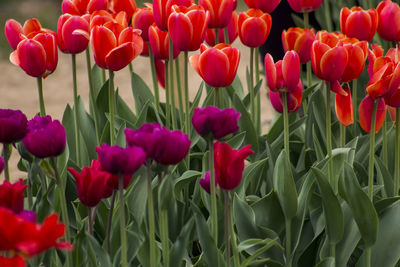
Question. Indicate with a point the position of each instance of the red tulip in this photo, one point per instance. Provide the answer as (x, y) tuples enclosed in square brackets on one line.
[(293, 99), (301, 6), (284, 75), (187, 26), (82, 7), (12, 196), (38, 57), (389, 21), (92, 184), (162, 10), (15, 261), (115, 47), (344, 108), (365, 113), (233, 32), (220, 12), (357, 54), (254, 27), (359, 23), (72, 34), (159, 43), (265, 6), (217, 65), (127, 6), (229, 164), (385, 79), (142, 20), (102, 17), (160, 71), (299, 40), (374, 52)]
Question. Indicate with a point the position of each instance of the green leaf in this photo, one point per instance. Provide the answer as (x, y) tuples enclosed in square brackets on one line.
[(179, 248), (327, 262), (236, 141), (268, 212), (165, 195), (186, 178), (137, 198), (285, 186), (250, 243), (140, 91), (332, 210), (86, 127), (385, 177), (252, 172), (100, 253)]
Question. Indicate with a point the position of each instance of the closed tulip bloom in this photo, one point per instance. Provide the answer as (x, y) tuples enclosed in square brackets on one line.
[(115, 47), (344, 108), (149, 137), (127, 6), (233, 32), (72, 34), (385, 79), (187, 26), (205, 182), (301, 6), (220, 12), (284, 75), (217, 65), (142, 20), (82, 7), (212, 122), (265, 6), (1, 164), (92, 184), (229, 164), (359, 23), (175, 147), (365, 113), (15, 261), (389, 21), (162, 11), (294, 99), (159, 43), (299, 40), (118, 160), (12, 196), (254, 27), (13, 125), (45, 138), (38, 57)]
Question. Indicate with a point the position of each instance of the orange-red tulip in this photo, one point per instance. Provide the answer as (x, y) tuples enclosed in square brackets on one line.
[(159, 43), (162, 10), (389, 21), (233, 32), (374, 52), (217, 65), (72, 34), (359, 23), (220, 12), (265, 6), (344, 108), (127, 6), (187, 26), (299, 40), (142, 20), (385, 79), (357, 52), (365, 113), (254, 27), (102, 17), (115, 47), (82, 7), (301, 6)]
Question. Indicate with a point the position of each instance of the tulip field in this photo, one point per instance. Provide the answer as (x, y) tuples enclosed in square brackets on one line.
[(196, 181)]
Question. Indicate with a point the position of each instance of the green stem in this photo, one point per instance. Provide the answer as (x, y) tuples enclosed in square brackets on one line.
[(288, 224), (150, 209), (41, 98), (372, 151), (251, 84), (164, 236), (226, 35), (155, 82), (227, 228), (124, 250), (63, 204), (91, 218), (328, 19), (354, 95), (306, 20), (235, 251), (29, 189), (342, 135), (368, 257), (258, 104), (103, 76), (5, 157), (76, 112), (111, 106), (180, 95), (187, 103), (172, 83), (332, 247), (92, 95), (396, 153), (216, 36), (167, 96), (329, 137), (109, 223), (214, 215), (216, 93), (286, 124), (384, 144), (130, 68)]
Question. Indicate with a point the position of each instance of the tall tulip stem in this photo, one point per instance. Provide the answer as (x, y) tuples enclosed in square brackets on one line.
[(306, 20), (167, 96), (354, 95), (41, 98), (329, 136), (164, 235), (172, 83), (216, 36), (92, 95), (308, 64), (251, 86), (285, 124), (328, 19), (288, 237), (76, 112), (5, 157), (227, 227), (226, 35), (396, 154), (213, 194), (180, 95), (109, 223), (342, 135), (111, 106), (124, 249), (150, 209), (258, 104), (384, 144), (154, 77), (187, 104), (372, 151)]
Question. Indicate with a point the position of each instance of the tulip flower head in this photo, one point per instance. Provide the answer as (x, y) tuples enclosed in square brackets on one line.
[(127, 6), (365, 113), (301, 6), (92, 184), (143, 19), (187, 26), (45, 138), (389, 21), (205, 182), (299, 40), (82, 7), (72, 34), (233, 32), (162, 10), (265, 6), (12, 196), (220, 12), (103, 17), (212, 122), (15, 261), (159, 43), (229, 164), (359, 23), (254, 27), (13, 125), (217, 65)]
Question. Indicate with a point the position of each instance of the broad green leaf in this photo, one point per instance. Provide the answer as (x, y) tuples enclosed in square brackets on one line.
[(185, 178), (88, 132), (250, 243), (137, 198), (101, 254), (327, 262), (141, 92), (165, 194), (385, 177), (236, 141), (180, 247), (268, 212)]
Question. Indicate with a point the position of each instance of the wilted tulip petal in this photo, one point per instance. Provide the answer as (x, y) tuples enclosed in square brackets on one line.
[(365, 112), (344, 108)]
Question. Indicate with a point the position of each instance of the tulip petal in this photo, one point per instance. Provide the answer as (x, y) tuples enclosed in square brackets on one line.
[(214, 67), (102, 41), (13, 32), (270, 71), (333, 63), (120, 57), (31, 57), (291, 70), (365, 112), (337, 88), (344, 108)]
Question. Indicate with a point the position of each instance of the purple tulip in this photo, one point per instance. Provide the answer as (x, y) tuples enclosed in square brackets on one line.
[(45, 138), (28, 215), (118, 160), (1, 164), (175, 147), (214, 122), (205, 182), (13, 125)]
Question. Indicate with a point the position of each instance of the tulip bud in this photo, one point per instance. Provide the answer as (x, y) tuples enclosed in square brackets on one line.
[(13, 125), (45, 138), (72, 34), (142, 20), (254, 27), (12, 196), (220, 12), (359, 23), (299, 40)]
